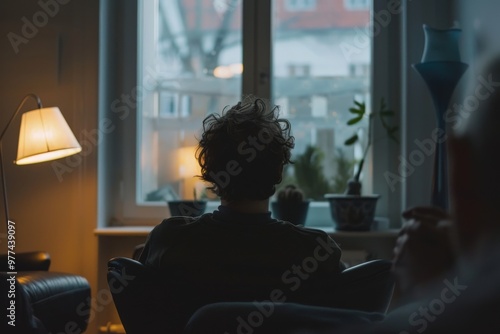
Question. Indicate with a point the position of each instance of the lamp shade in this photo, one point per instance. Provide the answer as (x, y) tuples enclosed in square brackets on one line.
[(45, 136)]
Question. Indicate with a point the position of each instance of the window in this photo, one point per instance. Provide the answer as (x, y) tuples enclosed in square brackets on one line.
[(300, 5), (357, 4), (173, 105), (317, 91), (193, 51), (358, 69), (194, 60), (295, 70)]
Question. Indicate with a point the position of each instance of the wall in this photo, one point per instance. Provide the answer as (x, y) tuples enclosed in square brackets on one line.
[(58, 60)]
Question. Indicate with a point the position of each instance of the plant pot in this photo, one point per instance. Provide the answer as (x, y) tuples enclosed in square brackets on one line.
[(187, 208), (352, 212), (295, 213)]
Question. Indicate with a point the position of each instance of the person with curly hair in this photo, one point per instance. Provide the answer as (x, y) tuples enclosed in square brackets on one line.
[(243, 152), (239, 252)]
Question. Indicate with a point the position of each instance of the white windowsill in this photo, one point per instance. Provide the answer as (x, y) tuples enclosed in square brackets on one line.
[(318, 217)]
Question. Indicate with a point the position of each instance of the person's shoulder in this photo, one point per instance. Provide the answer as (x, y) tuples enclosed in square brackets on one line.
[(304, 232), (315, 235), (307, 231), (181, 222)]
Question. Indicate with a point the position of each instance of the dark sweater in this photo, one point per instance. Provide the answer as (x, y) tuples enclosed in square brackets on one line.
[(235, 248), (226, 256)]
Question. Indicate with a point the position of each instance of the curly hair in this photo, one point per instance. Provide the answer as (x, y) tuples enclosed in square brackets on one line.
[(243, 151)]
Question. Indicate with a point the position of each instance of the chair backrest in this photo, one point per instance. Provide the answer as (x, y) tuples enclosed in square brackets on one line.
[(149, 301), (28, 261), (135, 290)]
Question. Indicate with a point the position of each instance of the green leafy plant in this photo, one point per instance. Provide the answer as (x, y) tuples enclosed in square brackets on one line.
[(309, 173), (359, 112), (343, 173)]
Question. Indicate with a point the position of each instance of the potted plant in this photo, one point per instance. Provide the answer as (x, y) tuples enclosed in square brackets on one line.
[(308, 170), (190, 208), (290, 205), (351, 210)]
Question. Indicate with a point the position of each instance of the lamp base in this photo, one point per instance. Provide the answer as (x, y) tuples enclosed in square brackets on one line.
[(441, 78)]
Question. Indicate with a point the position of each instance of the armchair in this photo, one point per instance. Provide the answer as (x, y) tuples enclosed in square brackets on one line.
[(150, 302), (46, 302)]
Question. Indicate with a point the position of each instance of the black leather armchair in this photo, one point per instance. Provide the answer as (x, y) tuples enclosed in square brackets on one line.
[(149, 302), (45, 302)]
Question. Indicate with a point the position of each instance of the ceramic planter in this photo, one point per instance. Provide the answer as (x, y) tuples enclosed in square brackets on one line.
[(295, 213), (352, 212)]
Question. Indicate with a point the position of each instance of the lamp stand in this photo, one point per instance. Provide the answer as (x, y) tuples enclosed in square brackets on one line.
[(4, 184), (4, 188), (441, 78)]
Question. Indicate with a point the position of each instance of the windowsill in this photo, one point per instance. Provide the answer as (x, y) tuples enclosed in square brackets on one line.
[(140, 231), (123, 231), (318, 217)]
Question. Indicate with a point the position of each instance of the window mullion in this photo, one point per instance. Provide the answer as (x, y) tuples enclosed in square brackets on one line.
[(257, 49)]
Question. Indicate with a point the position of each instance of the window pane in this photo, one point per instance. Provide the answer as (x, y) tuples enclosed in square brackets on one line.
[(190, 66), (321, 63)]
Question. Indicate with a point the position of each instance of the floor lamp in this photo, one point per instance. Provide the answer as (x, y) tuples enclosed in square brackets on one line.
[(44, 135), (441, 69)]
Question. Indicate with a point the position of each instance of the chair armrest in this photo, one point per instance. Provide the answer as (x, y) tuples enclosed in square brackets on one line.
[(29, 261), (139, 296), (367, 286), (132, 266), (366, 269), (137, 251), (47, 302), (57, 299)]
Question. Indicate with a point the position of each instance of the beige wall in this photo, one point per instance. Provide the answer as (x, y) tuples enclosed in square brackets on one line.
[(58, 62)]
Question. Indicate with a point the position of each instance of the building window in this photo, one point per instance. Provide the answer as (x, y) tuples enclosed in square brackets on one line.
[(300, 5), (359, 70), (295, 70), (173, 105), (357, 4)]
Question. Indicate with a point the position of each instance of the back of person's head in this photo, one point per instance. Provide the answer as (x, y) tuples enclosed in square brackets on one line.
[(243, 151)]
